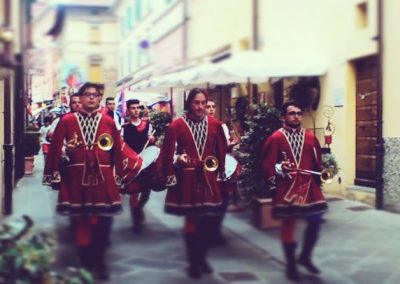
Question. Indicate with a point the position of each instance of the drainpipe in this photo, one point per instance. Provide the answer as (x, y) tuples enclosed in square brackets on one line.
[(379, 141), (8, 146)]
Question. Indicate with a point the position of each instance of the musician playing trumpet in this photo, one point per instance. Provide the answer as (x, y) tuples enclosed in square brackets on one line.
[(290, 156), (88, 188), (193, 189)]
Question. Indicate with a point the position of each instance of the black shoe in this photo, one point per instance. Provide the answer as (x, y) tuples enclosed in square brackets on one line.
[(103, 273), (220, 241), (137, 228), (194, 272), (307, 263), (205, 267), (293, 274)]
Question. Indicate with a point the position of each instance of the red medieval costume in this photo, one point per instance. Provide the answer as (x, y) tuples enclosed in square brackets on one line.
[(88, 184), (299, 194), (191, 189)]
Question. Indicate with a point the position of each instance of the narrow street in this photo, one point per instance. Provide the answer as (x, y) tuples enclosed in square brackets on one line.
[(358, 244)]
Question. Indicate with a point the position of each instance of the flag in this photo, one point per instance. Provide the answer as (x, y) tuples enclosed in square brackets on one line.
[(121, 106)]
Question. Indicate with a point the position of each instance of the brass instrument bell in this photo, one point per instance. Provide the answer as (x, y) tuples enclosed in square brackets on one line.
[(327, 175), (105, 142), (210, 164)]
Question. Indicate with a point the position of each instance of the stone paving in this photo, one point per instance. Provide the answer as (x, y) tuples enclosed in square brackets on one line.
[(358, 244)]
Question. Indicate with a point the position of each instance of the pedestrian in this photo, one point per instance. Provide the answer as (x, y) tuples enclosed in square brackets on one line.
[(110, 111), (74, 106), (44, 137), (298, 193), (193, 190), (137, 133), (227, 188), (88, 184)]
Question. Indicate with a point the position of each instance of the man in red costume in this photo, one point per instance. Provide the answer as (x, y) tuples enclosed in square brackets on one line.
[(193, 191), (298, 194), (88, 188), (137, 133)]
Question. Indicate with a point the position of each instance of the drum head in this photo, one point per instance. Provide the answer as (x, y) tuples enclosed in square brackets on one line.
[(230, 165), (149, 155)]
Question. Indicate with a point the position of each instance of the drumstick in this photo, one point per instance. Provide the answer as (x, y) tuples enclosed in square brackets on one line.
[(148, 140)]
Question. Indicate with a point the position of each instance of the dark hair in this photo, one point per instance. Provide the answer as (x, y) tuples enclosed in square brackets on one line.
[(72, 96), (288, 104), (192, 94), (109, 99), (99, 88), (47, 119), (132, 102), (210, 99)]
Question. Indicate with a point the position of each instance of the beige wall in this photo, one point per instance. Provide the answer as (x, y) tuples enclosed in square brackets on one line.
[(391, 69), (215, 24), (77, 48), (326, 30)]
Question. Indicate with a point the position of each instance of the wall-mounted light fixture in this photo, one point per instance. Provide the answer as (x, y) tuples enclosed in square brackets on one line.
[(6, 34)]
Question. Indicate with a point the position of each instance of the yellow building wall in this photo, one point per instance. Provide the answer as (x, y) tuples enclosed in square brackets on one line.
[(77, 47), (328, 30), (391, 69), (216, 24)]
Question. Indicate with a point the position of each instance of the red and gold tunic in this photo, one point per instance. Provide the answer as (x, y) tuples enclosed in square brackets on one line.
[(191, 189), (299, 194), (88, 183)]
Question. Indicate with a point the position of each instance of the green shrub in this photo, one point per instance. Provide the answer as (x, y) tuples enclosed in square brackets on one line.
[(260, 124), (26, 257)]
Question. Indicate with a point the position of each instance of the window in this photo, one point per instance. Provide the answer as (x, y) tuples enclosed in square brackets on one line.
[(95, 35), (138, 10), (362, 15)]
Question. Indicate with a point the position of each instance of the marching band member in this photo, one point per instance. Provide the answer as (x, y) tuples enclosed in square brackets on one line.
[(137, 133), (193, 191), (298, 194), (215, 222), (87, 185)]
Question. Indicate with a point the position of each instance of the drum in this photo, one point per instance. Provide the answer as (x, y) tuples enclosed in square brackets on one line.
[(231, 167), (150, 175), (149, 156)]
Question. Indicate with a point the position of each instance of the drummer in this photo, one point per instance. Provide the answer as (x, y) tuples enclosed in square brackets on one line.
[(215, 221), (137, 133)]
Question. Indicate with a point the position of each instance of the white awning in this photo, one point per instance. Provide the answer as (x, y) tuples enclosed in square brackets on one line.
[(254, 66)]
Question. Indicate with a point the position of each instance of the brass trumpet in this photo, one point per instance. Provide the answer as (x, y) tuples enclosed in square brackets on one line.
[(210, 164), (326, 174), (105, 142)]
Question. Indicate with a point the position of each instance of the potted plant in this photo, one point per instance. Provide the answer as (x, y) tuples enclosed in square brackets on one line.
[(262, 121), (31, 147), (26, 256)]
